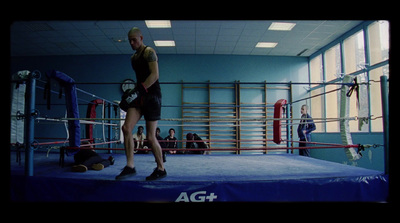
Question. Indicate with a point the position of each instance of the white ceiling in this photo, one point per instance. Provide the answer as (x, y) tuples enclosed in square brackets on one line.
[(236, 37)]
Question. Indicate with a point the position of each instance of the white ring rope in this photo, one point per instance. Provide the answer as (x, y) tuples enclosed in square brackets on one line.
[(66, 120), (192, 122), (224, 119)]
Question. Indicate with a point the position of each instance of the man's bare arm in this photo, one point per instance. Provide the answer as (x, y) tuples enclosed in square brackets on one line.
[(151, 57)]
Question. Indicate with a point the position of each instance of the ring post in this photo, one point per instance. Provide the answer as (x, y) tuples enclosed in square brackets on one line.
[(109, 110), (385, 113), (29, 123)]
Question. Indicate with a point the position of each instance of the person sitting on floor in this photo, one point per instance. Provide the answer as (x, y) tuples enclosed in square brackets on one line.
[(88, 159), (193, 142), (139, 139), (172, 141)]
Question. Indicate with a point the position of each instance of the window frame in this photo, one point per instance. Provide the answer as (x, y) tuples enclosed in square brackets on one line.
[(364, 27)]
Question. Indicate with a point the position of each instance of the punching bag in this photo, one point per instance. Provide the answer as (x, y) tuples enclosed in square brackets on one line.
[(91, 113)]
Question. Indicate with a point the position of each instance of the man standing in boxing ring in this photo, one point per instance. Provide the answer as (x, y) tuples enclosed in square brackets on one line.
[(144, 99), (304, 130)]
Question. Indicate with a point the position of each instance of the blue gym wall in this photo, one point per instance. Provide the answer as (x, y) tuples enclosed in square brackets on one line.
[(202, 68), (215, 68)]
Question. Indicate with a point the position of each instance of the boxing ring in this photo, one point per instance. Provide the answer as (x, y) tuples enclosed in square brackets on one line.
[(229, 171)]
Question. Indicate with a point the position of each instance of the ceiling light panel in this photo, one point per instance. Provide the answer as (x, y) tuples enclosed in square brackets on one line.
[(164, 43), (158, 23), (281, 26), (266, 44)]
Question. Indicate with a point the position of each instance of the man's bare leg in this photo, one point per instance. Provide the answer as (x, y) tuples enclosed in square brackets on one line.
[(132, 117), (151, 127), (160, 171)]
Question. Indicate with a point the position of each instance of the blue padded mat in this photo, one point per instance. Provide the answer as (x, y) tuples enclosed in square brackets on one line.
[(282, 177)]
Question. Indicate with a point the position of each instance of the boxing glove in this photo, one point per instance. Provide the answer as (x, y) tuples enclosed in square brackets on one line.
[(133, 97)]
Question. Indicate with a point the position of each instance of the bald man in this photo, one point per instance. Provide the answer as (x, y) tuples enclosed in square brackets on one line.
[(304, 130), (144, 100)]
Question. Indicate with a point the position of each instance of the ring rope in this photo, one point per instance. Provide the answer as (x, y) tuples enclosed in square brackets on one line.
[(329, 145), (221, 119), (319, 120), (228, 149), (322, 145), (90, 120), (224, 83), (82, 120)]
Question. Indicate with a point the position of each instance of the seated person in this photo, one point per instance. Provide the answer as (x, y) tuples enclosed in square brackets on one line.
[(88, 159), (172, 142), (138, 139), (162, 144), (193, 142)]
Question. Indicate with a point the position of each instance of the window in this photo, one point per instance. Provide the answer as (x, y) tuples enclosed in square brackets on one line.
[(354, 54), (317, 103), (375, 96), (354, 57), (378, 33), (351, 51), (333, 67)]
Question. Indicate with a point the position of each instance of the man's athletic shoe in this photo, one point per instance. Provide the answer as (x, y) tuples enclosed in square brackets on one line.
[(97, 166), (126, 172), (79, 168), (157, 174)]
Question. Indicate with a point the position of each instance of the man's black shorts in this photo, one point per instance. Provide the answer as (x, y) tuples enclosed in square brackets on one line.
[(151, 107)]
